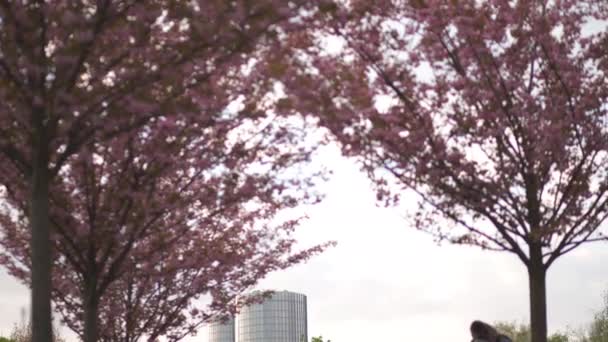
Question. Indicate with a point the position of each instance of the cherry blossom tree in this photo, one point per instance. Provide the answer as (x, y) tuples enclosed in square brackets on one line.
[(145, 226), (76, 74), (493, 112)]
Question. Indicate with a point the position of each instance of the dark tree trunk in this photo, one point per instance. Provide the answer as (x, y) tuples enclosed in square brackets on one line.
[(40, 243), (538, 295), (91, 305)]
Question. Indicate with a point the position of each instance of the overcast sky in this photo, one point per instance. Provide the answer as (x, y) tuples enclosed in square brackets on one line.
[(385, 281)]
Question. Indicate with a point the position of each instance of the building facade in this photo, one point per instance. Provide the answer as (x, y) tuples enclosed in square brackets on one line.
[(221, 331), (281, 318)]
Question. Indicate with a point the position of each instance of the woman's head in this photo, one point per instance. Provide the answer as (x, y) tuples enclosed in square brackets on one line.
[(483, 332)]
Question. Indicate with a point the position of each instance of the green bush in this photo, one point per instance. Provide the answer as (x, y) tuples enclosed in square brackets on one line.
[(521, 333)]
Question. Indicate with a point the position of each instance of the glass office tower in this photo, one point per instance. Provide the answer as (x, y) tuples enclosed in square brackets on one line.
[(281, 318), (221, 332)]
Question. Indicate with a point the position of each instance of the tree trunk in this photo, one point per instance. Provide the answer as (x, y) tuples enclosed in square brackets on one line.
[(40, 243), (91, 304), (538, 295)]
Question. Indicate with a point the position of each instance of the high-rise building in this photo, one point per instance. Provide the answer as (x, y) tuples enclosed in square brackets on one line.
[(221, 331), (280, 318)]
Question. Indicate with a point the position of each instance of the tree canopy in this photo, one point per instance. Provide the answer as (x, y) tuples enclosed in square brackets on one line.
[(126, 125), (493, 113)]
